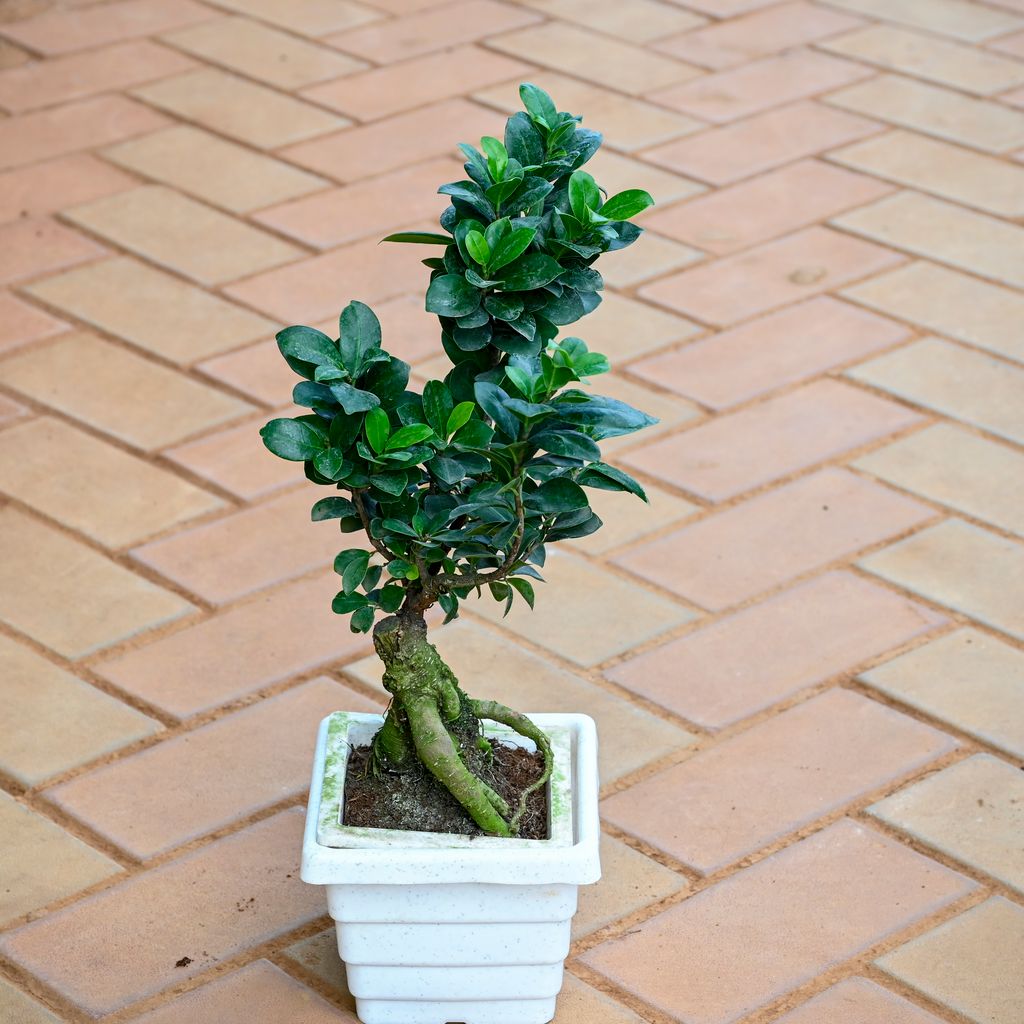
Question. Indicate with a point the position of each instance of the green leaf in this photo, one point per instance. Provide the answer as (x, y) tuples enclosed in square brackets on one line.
[(451, 295), (534, 270), (497, 230), (405, 436), (362, 620), (332, 508), (353, 400), (603, 417), (378, 430), (437, 405), (497, 156), (360, 335), (557, 496), (492, 400), (503, 307), (626, 204), (390, 597), (329, 463), (524, 587), (351, 566), (344, 603), (531, 190), (609, 478), (308, 345), (478, 248), (460, 415), (293, 440), (403, 570), (419, 238), (584, 195), (523, 141), (387, 380), (569, 443), (538, 104), (511, 247)]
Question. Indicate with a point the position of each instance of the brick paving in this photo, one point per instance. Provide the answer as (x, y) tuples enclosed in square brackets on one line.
[(806, 658)]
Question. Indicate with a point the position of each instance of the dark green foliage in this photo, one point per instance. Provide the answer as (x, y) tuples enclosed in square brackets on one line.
[(464, 484)]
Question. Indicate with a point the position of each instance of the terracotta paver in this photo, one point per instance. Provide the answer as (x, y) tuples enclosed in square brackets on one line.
[(262, 52), (969, 679), (21, 323), (601, 630), (181, 234), (958, 19), (943, 232), (961, 566), (773, 204), (924, 56), (781, 348), (54, 184), (947, 301), (236, 652), (212, 168), (42, 862), (236, 554), (34, 246), (746, 549), (244, 889), (773, 779), (972, 811), (21, 1007), (598, 58), (935, 111), (740, 451), (239, 108), (51, 133), (820, 600), (42, 699), (394, 142), (221, 772), (47, 605), (60, 31), (960, 382), (382, 91), (956, 467), (953, 172), (744, 662), (968, 963), (195, 324), (81, 376), (740, 92), (80, 75), (861, 870), (93, 487), (739, 40), (768, 276), (425, 31), (230, 1000), (762, 142), (364, 208), (858, 1001)]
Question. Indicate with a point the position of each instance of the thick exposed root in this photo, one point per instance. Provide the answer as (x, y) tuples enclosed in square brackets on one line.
[(430, 718), (495, 712)]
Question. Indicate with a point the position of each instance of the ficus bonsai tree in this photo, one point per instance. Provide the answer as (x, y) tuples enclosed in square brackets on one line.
[(460, 489)]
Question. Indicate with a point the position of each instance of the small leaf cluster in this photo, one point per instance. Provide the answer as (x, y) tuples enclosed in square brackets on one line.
[(461, 487)]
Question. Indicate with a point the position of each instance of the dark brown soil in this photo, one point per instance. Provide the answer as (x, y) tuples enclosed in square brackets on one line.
[(415, 801)]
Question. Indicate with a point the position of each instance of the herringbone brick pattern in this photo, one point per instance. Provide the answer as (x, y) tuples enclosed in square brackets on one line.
[(806, 657)]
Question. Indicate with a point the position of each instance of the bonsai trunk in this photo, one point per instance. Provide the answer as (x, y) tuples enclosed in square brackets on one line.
[(432, 721)]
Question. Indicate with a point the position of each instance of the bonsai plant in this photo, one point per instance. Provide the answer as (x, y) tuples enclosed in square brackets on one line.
[(459, 491)]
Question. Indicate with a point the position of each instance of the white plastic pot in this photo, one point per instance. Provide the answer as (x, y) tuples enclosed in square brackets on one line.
[(437, 928)]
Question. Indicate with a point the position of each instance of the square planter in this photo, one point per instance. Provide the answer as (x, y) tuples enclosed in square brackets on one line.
[(437, 928)]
